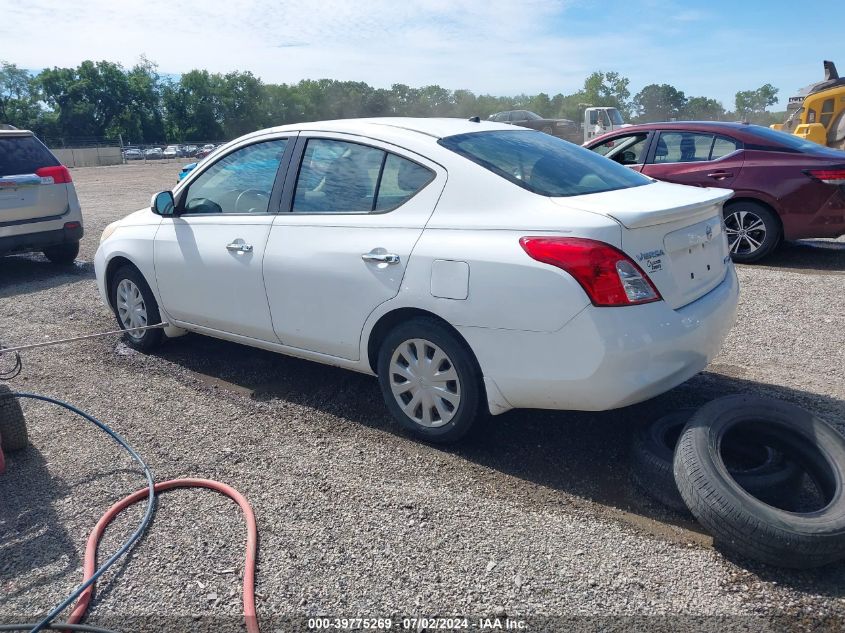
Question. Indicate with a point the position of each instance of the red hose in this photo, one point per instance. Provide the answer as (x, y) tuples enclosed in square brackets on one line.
[(90, 562)]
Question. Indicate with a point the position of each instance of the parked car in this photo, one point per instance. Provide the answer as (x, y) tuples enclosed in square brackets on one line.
[(171, 151), (785, 187), (187, 151), (186, 169), (153, 153), (133, 153), (562, 128), (205, 150), (39, 209), (471, 266)]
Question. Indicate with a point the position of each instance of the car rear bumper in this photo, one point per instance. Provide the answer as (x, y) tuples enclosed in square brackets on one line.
[(605, 358), (36, 241)]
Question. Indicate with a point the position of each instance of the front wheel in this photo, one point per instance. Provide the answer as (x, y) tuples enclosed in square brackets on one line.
[(753, 231), (430, 381), (135, 307)]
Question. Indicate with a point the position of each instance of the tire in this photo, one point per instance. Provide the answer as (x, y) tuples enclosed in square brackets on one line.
[(131, 278), (760, 470), (397, 356), (753, 230), (743, 524), (13, 436), (62, 254), (548, 130)]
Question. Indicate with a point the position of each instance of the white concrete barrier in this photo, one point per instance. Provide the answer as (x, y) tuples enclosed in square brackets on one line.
[(89, 156)]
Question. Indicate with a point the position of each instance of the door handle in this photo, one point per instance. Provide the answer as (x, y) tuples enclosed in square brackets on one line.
[(239, 247), (380, 258), (719, 175)]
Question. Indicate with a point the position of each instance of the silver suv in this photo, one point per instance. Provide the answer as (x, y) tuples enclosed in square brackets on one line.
[(39, 210)]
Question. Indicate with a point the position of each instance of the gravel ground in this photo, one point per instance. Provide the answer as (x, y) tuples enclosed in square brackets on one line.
[(538, 518)]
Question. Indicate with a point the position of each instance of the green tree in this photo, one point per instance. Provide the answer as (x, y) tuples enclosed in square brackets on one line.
[(194, 106), (18, 100), (607, 89), (754, 102), (703, 109), (659, 103)]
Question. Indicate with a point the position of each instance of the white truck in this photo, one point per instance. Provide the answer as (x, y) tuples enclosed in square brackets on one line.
[(598, 120)]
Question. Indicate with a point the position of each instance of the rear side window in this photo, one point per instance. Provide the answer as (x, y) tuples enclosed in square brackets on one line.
[(344, 177), (23, 155), (723, 146), (543, 164)]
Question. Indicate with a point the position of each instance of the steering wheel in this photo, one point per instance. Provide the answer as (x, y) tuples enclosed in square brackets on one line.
[(257, 195)]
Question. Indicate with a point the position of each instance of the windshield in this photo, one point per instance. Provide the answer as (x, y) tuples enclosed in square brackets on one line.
[(532, 116), (615, 117), (542, 163)]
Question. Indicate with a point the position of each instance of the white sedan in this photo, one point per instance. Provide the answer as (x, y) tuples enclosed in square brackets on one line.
[(473, 267)]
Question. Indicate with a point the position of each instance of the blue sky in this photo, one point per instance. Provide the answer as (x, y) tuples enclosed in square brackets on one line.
[(502, 47)]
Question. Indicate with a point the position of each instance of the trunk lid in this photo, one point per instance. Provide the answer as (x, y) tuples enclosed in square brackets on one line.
[(24, 195), (673, 232)]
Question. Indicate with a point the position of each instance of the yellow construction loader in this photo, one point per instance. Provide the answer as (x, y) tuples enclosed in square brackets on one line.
[(817, 112)]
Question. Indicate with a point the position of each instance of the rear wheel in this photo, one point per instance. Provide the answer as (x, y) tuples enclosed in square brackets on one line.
[(430, 381), (135, 306), (62, 254), (753, 230)]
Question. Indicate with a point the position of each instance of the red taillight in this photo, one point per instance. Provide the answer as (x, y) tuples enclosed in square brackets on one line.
[(59, 174), (830, 176), (607, 275)]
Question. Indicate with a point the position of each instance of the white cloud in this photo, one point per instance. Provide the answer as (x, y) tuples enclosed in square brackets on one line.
[(495, 46)]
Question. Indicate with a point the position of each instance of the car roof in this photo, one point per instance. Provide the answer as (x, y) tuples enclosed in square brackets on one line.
[(412, 128), (6, 133), (732, 128)]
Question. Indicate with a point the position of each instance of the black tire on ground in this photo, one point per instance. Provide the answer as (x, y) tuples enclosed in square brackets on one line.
[(472, 407), (149, 339), (62, 254), (652, 452), (743, 524), (744, 214), (760, 470), (13, 435)]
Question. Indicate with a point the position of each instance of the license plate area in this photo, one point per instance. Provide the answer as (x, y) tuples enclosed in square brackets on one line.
[(698, 257)]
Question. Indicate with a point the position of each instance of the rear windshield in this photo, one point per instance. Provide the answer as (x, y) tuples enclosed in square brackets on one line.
[(23, 155), (542, 163), (790, 141)]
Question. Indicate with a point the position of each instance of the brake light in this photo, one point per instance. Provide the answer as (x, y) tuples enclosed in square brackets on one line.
[(830, 176), (53, 175), (607, 275)]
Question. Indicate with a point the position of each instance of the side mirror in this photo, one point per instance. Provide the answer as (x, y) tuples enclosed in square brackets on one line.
[(162, 203)]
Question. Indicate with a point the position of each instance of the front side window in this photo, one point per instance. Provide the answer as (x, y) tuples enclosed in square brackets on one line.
[(542, 163), (625, 150), (344, 177), (240, 182)]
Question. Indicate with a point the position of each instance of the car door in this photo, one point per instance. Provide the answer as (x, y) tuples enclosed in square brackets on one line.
[(694, 158), (353, 210), (626, 149), (208, 256)]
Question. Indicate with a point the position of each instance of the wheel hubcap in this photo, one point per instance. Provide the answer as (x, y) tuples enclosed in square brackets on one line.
[(425, 383), (131, 309), (746, 232)]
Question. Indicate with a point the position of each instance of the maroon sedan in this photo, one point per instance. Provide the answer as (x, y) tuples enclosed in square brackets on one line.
[(785, 187)]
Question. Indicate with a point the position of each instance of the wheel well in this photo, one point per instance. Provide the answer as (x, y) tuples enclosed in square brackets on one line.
[(733, 201), (111, 269), (390, 320)]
